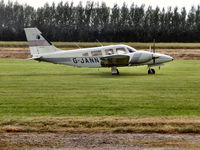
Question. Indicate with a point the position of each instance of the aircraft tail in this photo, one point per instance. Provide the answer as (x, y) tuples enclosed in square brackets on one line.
[(37, 43)]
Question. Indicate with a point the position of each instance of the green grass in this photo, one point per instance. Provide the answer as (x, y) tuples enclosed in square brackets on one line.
[(32, 89), (72, 45)]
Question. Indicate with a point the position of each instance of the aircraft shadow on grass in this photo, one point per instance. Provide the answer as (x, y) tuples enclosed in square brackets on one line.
[(95, 74)]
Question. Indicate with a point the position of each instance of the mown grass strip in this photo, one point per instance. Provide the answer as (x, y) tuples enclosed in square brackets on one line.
[(101, 124)]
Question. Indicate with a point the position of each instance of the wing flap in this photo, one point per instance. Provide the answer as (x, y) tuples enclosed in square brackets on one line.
[(115, 60)]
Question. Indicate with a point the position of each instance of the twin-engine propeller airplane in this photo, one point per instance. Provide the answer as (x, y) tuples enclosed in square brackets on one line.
[(106, 56)]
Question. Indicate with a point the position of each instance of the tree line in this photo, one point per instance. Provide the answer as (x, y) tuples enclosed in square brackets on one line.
[(67, 22)]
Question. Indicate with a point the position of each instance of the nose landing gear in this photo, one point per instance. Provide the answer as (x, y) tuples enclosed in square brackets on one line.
[(151, 71)]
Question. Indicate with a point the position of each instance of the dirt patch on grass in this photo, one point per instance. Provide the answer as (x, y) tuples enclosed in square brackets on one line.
[(44, 141), (20, 54), (99, 133)]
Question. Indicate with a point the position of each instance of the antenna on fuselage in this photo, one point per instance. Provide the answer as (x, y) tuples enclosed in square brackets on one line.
[(77, 45), (99, 42)]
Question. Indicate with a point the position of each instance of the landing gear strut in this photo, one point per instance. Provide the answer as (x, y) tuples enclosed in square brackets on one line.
[(151, 71), (114, 70)]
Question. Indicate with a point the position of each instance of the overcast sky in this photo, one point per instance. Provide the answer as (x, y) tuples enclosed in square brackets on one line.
[(153, 3)]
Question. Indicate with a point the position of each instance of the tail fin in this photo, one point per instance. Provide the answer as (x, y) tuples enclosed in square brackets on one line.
[(37, 43)]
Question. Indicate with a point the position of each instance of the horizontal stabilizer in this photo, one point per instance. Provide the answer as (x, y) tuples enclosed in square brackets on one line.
[(34, 58)]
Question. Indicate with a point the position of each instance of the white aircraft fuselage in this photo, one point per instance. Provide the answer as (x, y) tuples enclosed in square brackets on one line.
[(105, 56)]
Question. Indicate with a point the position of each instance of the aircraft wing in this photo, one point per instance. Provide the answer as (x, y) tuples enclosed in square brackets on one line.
[(115, 60)]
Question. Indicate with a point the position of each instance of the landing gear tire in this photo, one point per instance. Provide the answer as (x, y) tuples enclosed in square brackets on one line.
[(151, 71), (117, 72), (114, 71)]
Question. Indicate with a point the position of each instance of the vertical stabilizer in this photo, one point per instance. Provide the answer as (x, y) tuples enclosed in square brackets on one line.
[(37, 43)]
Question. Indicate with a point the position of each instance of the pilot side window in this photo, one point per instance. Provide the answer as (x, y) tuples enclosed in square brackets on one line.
[(96, 53), (121, 51), (109, 51), (85, 54), (131, 50)]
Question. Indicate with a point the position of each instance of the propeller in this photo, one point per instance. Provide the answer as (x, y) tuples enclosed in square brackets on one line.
[(154, 45), (153, 56), (150, 50)]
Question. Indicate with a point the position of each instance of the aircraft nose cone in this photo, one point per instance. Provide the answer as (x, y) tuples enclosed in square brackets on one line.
[(168, 58), (172, 58)]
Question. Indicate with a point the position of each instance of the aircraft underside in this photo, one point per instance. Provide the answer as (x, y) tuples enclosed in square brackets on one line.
[(92, 62)]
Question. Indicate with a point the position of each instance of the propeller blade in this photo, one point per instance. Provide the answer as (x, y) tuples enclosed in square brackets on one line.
[(154, 56), (154, 46), (150, 50)]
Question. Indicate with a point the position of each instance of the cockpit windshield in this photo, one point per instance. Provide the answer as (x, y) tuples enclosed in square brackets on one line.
[(130, 49)]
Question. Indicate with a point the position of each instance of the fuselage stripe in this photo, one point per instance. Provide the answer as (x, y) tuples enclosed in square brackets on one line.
[(38, 43)]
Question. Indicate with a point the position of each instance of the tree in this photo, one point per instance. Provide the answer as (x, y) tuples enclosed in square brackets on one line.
[(66, 22), (191, 25), (115, 23)]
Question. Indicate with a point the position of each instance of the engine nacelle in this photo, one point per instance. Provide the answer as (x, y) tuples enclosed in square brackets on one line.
[(141, 57)]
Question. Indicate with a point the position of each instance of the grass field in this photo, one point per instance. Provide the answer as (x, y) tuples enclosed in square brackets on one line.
[(46, 97), (137, 45), (29, 88)]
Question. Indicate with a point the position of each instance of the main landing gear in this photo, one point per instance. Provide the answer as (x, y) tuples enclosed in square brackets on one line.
[(114, 70), (151, 71)]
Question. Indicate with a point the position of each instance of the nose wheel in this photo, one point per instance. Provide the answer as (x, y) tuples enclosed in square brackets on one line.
[(114, 70), (151, 71)]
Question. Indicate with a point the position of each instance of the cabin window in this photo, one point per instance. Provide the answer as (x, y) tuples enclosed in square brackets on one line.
[(131, 50), (109, 51), (85, 54), (120, 50), (96, 53)]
